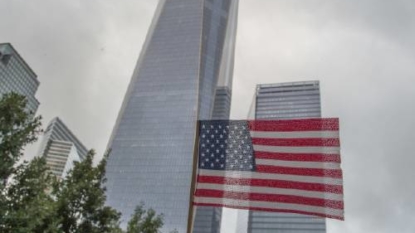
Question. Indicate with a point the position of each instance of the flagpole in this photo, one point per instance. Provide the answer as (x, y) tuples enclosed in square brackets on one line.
[(190, 218)]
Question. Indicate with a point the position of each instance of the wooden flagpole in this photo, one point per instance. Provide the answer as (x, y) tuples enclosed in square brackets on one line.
[(190, 218)]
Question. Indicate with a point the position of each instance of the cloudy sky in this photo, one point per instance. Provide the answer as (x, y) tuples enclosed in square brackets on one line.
[(362, 51)]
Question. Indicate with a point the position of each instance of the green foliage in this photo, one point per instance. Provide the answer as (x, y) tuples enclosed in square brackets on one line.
[(29, 206), (144, 221), (35, 201), (81, 200), (17, 129)]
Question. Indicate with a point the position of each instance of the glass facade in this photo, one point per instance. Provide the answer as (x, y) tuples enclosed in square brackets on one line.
[(187, 53), (208, 219), (286, 101), (16, 76), (61, 148)]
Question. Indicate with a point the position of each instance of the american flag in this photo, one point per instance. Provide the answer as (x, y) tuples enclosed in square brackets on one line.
[(282, 166)]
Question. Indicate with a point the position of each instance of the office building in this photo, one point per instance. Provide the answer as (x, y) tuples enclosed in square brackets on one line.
[(292, 100), (222, 103), (16, 76), (187, 55), (61, 148), (208, 219)]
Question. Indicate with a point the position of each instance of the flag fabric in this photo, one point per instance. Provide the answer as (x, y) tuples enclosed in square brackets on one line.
[(288, 166)]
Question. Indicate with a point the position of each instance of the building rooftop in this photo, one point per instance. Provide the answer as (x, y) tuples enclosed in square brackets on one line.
[(20, 58)]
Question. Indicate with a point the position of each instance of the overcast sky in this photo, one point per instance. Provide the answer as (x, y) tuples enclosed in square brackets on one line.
[(362, 51)]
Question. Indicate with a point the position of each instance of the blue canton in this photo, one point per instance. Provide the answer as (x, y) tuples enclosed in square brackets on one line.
[(225, 145)]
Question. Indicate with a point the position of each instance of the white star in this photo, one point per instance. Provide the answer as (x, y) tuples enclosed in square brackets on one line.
[(212, 155), (203, 136), (203, 154), (221, 165), (212, 165), (203, 164), (203, 126)]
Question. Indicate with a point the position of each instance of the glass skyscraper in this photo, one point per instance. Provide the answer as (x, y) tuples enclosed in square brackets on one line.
[(187, 55), (16, 76), (60, 147), (291, 100)]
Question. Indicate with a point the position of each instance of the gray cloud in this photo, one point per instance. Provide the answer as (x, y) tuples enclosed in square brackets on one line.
[(361, 51)]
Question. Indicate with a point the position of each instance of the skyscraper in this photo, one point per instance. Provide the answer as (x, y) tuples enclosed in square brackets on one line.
[(16, 76), (208, 219), (187, 54), (292, 100), (61, 148)]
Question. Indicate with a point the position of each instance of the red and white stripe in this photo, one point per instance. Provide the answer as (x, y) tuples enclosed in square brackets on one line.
[(297, 171)]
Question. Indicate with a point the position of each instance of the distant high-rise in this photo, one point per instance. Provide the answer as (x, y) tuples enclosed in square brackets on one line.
[(16, 76), (222, 104), (61, 148), (292, 100), (187, 56), (208, 219)]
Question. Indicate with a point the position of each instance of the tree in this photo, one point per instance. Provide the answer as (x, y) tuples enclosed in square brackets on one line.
[(81, 199), (17, 129), (29, 206), (35, 201), (144, 221)]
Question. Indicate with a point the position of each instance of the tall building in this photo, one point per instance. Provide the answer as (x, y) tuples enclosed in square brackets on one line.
[(222, 104), (187, 54), (286, 101), (61, 148), (16, 76), (208, 219)]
